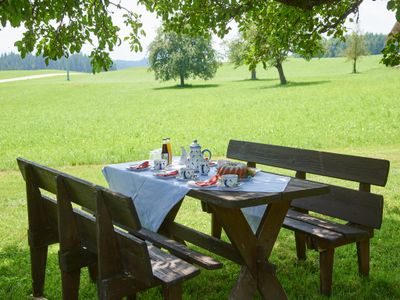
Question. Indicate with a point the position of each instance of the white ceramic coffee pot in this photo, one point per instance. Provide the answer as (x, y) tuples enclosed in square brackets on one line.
[(196, 156)]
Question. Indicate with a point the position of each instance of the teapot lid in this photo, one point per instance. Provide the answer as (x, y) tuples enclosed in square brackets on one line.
[(194, 144)]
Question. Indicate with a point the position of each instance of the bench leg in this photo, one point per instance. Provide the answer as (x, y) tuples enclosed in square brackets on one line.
[(38, 269), (216, 228), (172, 292), (70, 284), (363, 257), (301, 239), (326, 270), (93, 272)]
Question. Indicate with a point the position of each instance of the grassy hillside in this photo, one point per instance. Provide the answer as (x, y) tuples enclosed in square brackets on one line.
[(121, 115), (81, 125)]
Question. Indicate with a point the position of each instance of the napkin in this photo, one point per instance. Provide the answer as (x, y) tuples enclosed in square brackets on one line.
[(212, 181), (143, 165), (167, 174)]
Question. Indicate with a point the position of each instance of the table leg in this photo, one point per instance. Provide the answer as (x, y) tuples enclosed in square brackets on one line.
[(245, 286), (216, 228), (267, 234), (255, 250)]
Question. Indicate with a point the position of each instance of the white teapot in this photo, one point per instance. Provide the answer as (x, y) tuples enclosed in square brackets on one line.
[(196, 158)]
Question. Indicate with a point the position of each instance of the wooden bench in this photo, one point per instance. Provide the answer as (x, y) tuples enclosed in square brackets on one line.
[(360, 209), (121, 263)]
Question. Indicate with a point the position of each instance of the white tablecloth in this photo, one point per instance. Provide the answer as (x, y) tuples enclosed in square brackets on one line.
[(154, 197)]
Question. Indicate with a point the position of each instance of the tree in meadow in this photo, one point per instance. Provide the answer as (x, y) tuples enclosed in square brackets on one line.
[(355, 48), (173, 56), (239, 53), (263, 42)]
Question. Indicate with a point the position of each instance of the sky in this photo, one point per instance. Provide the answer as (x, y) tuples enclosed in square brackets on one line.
[(374, 17)]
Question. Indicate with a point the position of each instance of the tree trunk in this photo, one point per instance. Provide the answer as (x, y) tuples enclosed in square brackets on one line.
[(396, 28), (253, 74), (67, 68), (282, 77), (182, 80), (355, 66)]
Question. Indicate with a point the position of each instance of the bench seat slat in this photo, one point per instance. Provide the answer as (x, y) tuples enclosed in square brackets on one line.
[(179, 250), (346, 230), (322, 233), (168, 268)]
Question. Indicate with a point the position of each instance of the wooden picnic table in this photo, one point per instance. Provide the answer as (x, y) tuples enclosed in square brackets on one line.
[(250, 250)]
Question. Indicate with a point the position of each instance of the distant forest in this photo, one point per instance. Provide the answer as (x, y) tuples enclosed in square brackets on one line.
[(77, 62), (375, 42)]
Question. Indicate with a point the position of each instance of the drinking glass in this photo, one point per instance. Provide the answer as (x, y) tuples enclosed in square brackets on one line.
[(155, 154)]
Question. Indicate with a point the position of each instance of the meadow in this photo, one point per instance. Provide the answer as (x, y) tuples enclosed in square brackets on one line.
[(94, 120)]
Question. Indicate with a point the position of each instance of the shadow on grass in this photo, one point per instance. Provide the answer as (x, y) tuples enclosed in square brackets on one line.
[(299, 279), (16, 283), (186, 86), (256, 80), (295, 84), (15, 270), (347, 284)]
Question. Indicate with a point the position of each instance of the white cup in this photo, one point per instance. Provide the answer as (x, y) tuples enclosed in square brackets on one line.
[(186, 173), (160, 164), (204, 168), (230, 180)]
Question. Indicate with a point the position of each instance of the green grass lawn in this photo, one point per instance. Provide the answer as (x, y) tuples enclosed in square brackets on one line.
[(81, 125)]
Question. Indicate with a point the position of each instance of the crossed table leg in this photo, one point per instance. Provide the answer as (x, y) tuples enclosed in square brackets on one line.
[(255, 249)]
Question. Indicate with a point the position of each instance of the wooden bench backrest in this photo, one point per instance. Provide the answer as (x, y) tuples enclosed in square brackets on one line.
[(360, 207), (117, 250), (122, 209), (42, 210)]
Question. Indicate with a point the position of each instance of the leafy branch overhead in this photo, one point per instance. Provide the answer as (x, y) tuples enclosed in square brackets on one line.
[(57, 28)]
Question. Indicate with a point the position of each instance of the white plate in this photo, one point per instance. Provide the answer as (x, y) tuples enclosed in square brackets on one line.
[(158, 174), (137, 170), (192, 183)]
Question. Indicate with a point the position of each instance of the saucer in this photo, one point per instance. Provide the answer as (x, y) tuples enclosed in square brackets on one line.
[(225, 188), (179, 178)]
